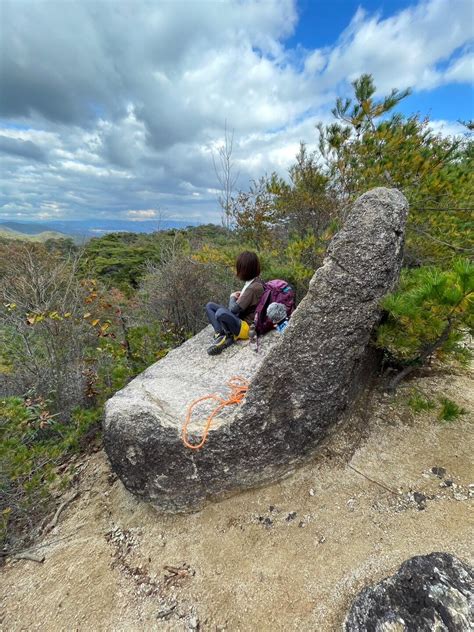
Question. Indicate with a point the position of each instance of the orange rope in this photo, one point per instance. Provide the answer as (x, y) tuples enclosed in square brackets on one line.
[(238, 388)]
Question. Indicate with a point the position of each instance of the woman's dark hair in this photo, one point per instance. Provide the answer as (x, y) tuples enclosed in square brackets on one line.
[(247, 266)]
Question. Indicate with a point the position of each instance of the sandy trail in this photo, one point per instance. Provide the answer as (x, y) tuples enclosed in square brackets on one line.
[(290, 556)]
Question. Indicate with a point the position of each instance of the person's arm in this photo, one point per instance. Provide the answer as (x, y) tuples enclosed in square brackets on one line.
[(234, 305), (250, 297)]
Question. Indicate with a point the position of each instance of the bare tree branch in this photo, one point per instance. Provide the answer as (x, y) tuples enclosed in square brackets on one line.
[(224, 170)]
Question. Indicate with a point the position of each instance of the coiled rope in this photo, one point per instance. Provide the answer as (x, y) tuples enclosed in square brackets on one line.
[(238, 388)]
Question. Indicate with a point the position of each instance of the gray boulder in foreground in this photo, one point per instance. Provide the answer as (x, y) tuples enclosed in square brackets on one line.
[(301, 382), (428, 592)]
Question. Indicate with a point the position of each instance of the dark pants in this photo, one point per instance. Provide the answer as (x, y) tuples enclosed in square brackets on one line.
[(222, 319)]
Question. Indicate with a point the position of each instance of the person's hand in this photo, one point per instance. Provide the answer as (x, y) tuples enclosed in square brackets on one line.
[(235, 295)]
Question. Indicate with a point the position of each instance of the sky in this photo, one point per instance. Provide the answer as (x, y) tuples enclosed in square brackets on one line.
[(115, 109)]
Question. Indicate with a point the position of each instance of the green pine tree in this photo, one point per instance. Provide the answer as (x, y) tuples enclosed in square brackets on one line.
[(430, 314)]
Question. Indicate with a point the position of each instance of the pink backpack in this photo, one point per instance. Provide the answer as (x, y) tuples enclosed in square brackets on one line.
[(276, 291)]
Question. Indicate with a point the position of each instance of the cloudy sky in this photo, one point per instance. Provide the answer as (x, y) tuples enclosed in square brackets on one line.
[(113, 109)]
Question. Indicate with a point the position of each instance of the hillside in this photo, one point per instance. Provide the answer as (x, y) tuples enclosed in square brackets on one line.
[(26, 228), (8, 233), (84, 229), (291, 556)]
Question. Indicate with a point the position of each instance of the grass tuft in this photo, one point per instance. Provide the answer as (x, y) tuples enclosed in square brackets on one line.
[(450, 410), (418, 403)]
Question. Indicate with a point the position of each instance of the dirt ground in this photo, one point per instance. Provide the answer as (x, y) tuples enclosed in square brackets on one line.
[(290, 556)]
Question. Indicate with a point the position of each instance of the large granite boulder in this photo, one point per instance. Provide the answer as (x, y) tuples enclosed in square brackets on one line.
[(301, 382), (428, 592)]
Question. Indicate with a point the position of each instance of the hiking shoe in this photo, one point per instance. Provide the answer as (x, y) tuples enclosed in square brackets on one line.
[(220, 344), (216, 336)]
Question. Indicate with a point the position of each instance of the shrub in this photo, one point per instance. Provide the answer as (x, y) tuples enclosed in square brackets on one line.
[(429, 315), (177, 290), (42, 330), (34, 443)]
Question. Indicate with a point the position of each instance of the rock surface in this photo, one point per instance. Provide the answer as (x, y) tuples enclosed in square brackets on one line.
[(301, 382), (428, 592)]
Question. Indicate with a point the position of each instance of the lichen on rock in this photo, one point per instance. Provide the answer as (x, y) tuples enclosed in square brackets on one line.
[(428, 592)]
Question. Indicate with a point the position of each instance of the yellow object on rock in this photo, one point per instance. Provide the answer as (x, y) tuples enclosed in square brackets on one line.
[(244, 331)]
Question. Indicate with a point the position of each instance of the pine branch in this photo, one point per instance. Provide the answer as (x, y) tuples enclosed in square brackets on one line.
[(440, 241), (421, 359), (435, 208), (429, 349)]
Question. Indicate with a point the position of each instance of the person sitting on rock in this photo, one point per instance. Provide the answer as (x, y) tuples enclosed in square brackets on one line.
[(233, 323)]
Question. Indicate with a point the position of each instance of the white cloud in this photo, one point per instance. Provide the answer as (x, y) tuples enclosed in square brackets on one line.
[(448, 128), (405, 49), (130, 120), (461, 70), (142, 214)]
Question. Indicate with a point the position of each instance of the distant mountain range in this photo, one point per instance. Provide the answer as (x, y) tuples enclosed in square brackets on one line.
[(81, 230), (26, 228), (29, 232)]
